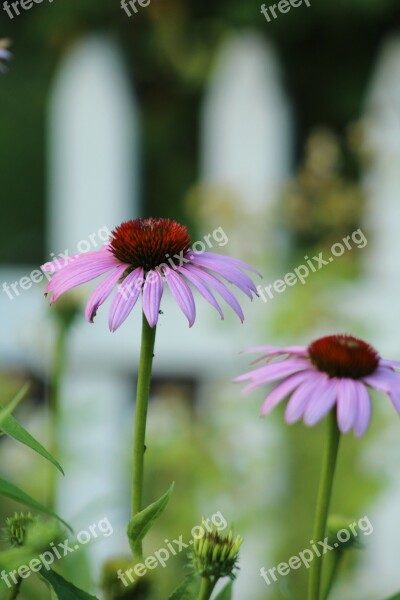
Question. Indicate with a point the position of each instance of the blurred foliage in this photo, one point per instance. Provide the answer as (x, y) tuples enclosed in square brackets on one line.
[(169, 48)]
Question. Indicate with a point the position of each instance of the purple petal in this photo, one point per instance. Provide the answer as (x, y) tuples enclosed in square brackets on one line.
[(273, 371), (363, 415), (152, 293), (395, 364), (182, 294), (228, 272), (346, 404), (323, 401), (281, 391), (233, 261), (79, 273), (300, 399), (222, 290), (102, 292), (201, 288), (275, 350), (394, 395), (125, 299), (383, 379), (58, 264)]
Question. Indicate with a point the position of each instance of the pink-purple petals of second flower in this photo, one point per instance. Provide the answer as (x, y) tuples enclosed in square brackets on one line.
[(313, 393)]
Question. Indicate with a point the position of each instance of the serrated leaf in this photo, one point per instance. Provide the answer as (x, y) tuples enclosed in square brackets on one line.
[(12, 428), (12, 491), (64, 589), (188, 589), (140, 524), (6, 412), (226, 592)]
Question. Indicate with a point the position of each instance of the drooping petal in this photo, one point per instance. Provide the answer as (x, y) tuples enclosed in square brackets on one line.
[(201, 288), (152, 294), (182, 294), (282, 390), (102, 292), (395, 364), (228, 272), (275, 350), (76, 274), (219, 287), (229, 260), (125, 299), (58, 264), (346, 404), (383, 379), (273, 371), (394, 395), (363, 415), (300, 399), (323, 403)]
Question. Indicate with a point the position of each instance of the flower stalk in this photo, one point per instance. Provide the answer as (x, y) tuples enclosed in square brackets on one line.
[(323, 501), (207, 587), (142, 401)]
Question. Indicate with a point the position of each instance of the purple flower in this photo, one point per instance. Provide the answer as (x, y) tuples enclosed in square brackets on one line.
[(333, 370), (142, 257)]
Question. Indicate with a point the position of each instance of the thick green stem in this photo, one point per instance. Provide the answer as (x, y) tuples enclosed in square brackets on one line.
[(57, 374), (142, 400), (323, 501), (15, 590), (206, 589)]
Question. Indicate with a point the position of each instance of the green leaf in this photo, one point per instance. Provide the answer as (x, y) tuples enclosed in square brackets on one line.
[(395, 597), (11, 427), (63, 589), (226, 592), (188, 589), (140, 524), (11, 491), (6, 412)]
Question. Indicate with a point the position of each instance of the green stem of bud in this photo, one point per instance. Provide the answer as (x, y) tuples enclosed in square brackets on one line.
[(142, 401), (15, 590), (323, 502), (206, 589)]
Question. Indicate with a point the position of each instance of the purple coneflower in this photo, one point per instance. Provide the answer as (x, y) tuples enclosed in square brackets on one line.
[(336, 369), (141, 257)]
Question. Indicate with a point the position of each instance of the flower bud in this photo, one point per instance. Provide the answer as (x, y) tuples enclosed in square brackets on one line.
[(215, 556)]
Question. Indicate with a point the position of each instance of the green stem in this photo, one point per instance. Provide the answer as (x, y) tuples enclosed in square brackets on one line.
[(206, 589), (57, 374), (337, 560), (142, 400), (15, 590), (323, 501)]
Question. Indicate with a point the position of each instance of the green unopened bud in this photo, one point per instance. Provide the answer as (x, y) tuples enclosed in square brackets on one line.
[(215, 556), (17, 528), (343, 534)]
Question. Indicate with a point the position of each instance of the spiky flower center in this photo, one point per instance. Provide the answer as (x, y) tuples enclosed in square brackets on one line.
[(149, 243), (343, 356)]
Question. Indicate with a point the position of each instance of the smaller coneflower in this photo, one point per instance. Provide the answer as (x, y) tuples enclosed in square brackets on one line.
[(333, 370)]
